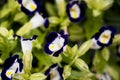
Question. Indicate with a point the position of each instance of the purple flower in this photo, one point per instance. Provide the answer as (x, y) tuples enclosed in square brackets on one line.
[(54, 73), (12, 65), (29, 7), (104, 37), (56, 43), (75, 10)]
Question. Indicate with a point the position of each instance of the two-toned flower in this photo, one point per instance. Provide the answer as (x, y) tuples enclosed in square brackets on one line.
[(32, 7), (75, 10), (104, 37), (56, 43), (29, 7), (11, 66), (26, 43), (54, 73)]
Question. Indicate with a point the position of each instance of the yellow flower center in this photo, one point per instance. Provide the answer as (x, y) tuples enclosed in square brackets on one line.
[(105, 38), (32, 7), (9, 73)]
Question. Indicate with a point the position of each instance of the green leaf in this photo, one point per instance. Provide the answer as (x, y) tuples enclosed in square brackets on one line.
[(67, 71), (76, 33), (61, 7), (24, 29), (51, 10), (106, 54), (113, 71), (99, 62), (37, 76), (81, 65), (84, 47)]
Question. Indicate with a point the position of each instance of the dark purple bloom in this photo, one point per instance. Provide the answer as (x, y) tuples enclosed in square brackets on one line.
[(75, 10), (29, 7), (11, 66), (56, 43), (54, 73), (104, 37)]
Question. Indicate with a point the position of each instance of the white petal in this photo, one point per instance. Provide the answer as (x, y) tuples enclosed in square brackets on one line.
[(29, 4), (12, 69), (75, 11), (105, 37), (26, 46), (37, 20), (57, 44), (54, 74), (95, 45)]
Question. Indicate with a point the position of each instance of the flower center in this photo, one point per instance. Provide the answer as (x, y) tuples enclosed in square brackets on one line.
[(9, 73), (75, 11), (32, 7), (105, 36)]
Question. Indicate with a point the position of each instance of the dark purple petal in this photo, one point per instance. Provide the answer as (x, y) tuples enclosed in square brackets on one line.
[(56, 54), (9, 61), (51, 36), (34, 37), (46, 23), (60, 70), (19, 37), (7, 64), (26, 11), (20, 65), (20, 1), (46, 49)]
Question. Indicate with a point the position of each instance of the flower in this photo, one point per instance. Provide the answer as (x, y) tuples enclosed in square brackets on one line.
[(54, 73), (37, 20), (104, 37), (32, 7), (11, 66), (26, 43), (29, 7), (75, 10), (56, 43)]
